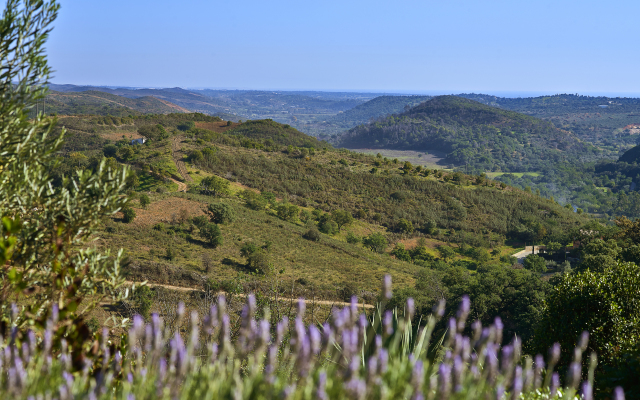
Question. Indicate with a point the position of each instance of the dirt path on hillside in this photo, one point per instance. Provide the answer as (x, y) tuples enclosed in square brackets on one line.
[(188, 289), (176, 152), (182, 187)]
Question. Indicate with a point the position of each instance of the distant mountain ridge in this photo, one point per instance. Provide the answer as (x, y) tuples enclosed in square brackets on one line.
[(102, 103), (375, 108), (485, 137)]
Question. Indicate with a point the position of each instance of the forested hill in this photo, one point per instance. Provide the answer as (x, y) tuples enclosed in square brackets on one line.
[(483, 137), (380, 106)]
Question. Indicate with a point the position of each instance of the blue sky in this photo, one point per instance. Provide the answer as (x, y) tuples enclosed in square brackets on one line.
[(485, 46)]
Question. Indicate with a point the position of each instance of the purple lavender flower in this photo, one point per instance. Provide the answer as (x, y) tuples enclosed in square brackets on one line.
[(356, 388), (353, 308), (439, 311), (458, 371), (499, 392), (315, 338), (302, 306), (507, 358), (554, 354), (444, 380), (383, 361), (587, 391), (465, 306), (555, 384), (573, 375), (321, 393), (453, 329), (372, 369), (411, 307), (272, 360), (476, 326), (386, 287), (618, 393), (584, 340), (417, 377), (517, 383), (387, 322), (280, 329), (491, 361), (499, 326), (327, 337), (538, 368)]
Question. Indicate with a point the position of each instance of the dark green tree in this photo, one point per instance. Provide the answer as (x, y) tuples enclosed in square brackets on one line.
[(376, 242), (215, 186), (535, 263), (221, 213), (144, 201), (211, 232), (405, 226), (128, 214), (342, 218)]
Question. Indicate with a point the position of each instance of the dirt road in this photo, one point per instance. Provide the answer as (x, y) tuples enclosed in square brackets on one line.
[(323, 302), (176, 152), (521, 255), (182, 187)]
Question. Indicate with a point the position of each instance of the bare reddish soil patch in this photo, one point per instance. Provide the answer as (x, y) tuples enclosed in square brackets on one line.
[(167, 210), (220, 126), (412, 243), (115, 136)]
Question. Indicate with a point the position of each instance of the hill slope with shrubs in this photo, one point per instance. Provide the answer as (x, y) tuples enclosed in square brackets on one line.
[(484, 137)]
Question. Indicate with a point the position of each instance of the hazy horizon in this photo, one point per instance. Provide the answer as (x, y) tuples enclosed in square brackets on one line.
[(506, 94)]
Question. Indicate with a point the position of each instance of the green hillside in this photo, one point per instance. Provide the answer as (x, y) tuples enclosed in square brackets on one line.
[(483, 137), (603, 121), (362, 113), (279, 184)]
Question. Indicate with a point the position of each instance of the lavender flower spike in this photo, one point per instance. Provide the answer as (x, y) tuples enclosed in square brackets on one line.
[(584, 340), (554, 354), (387, 286), (555, 384), (411, 307), (587, 391), (618, 393)]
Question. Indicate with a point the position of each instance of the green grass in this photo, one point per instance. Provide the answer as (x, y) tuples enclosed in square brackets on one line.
[(149, 183), (328, 263)]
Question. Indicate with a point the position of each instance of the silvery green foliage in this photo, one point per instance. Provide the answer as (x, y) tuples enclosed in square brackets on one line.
[(45, 228), (351, 356)]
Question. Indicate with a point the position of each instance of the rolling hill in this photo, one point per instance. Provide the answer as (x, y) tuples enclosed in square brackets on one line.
[(101, 103), (361, 114), (471, 133), (600, 120), (280, 188)]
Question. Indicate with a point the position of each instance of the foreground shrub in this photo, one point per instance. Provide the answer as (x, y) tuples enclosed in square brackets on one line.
[(45, 227), (350, 356)]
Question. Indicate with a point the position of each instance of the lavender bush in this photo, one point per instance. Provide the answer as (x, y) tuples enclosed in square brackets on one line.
[(352, 356)]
